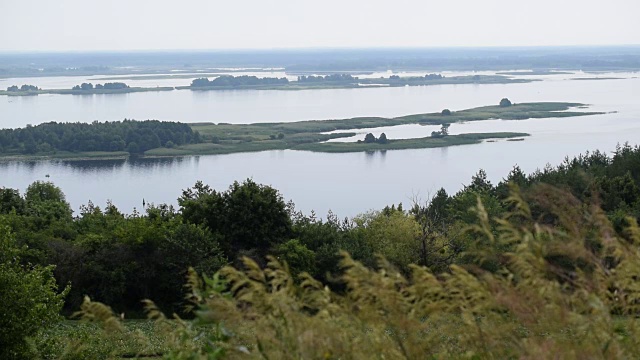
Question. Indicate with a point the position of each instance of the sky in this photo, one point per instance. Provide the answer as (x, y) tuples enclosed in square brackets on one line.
[(85, 25)]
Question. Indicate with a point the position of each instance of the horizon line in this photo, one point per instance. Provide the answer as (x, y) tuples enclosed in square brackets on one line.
[(320, 48)]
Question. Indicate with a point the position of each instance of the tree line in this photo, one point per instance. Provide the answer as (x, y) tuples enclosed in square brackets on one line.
[(327, 78), (23, 88), (106, 86), (231, 81), (128, 135)]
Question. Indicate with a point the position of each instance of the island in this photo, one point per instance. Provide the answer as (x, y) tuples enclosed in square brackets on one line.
[(246, 82), (340, 81), (152, 138), (82, 89)]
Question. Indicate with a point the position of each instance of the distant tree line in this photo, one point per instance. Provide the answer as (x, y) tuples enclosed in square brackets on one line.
[(329, 78), (128, 135), (23, 88), (426, 77), (106, 86), (244, 80)]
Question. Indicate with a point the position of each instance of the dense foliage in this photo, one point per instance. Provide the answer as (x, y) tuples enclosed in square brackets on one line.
[(127, 135), (29, 297), (23, 88), (327, 78), (106, 86), (370, 138), (538, 264), (232, 81)]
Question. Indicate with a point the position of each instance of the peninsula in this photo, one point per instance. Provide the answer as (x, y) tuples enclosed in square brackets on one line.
[(153, 138)]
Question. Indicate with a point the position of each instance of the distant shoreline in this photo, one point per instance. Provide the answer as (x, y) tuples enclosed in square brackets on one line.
[(294, 85)]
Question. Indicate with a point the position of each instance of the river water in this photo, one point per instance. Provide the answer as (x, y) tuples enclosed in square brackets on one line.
[(347, 184)]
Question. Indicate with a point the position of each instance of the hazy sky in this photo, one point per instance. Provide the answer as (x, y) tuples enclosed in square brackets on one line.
[(42, 25)]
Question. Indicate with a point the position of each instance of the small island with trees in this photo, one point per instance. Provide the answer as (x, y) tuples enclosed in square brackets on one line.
[(340, 81), (154, 138), (303, 82), (81, 89)]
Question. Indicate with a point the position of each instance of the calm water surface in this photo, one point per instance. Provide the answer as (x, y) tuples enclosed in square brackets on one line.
[(348, 184)]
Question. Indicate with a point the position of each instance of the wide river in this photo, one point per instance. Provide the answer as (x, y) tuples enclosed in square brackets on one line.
[(347, 184)]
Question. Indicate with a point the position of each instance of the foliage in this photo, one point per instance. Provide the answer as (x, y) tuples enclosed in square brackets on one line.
[(135, 136), (328, 78), (505, 102), (552, 294), (237, 81), (29, 297), (14, 88), (248, 216), (106, 86)]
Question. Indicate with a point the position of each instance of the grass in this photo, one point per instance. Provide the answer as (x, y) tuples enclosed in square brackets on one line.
[(310, 135), (599, 78), (403, 144), (139, 338), (535, 72)]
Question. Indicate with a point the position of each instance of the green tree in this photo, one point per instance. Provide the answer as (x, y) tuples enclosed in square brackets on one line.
[(10, 200), (392, 234), (369, 138), (46, 203), (297, 256), (249, 217), (383, 139), (505, 102), (29, 297)]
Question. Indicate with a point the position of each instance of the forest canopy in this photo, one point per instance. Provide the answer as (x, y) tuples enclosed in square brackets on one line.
[(128, 135)]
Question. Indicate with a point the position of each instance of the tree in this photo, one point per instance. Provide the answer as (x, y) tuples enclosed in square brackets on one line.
[(47, 203), (297, 256), (444, 129), (369, 138), (29, 297), (505, 102), (392, 234), (248, 216), (10, 200), (383, 139), (446, 112)]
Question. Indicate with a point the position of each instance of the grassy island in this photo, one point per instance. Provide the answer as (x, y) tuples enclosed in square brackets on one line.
[(163, 139), (340, 81), (244, 82)]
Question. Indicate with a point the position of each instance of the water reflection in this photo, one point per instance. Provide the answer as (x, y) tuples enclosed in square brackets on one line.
[(346, 183)]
